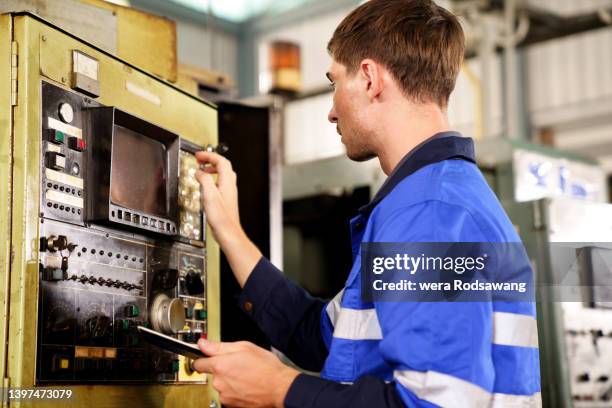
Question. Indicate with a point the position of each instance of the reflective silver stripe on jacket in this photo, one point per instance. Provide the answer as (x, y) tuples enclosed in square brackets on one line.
[(509, 329), (512, 329), (448, 391)]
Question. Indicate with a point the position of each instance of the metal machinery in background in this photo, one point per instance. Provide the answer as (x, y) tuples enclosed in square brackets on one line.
[(557, 203), (563, 240), (102, 226)]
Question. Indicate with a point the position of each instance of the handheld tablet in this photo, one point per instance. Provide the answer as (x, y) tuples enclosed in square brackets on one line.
[(171, 344)]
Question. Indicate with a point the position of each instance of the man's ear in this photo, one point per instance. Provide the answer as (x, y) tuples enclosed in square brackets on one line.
[(372, 76)]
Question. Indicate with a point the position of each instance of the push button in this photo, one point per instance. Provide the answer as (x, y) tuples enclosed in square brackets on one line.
[(60, 363), (76, 143), (56, 161), (55, 136), (201, 314)]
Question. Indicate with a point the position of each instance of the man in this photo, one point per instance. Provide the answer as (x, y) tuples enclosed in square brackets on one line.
[(394, 66)]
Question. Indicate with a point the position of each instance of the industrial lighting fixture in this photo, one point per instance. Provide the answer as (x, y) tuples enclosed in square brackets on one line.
[(239, 11)]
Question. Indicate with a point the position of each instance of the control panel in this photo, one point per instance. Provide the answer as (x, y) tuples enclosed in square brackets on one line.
[(588, 336), (63, 154), (97, 281)]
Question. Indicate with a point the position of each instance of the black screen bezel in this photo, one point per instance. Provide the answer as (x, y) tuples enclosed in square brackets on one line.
[(101, 124)]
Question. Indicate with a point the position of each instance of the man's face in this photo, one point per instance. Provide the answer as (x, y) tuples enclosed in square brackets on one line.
[(349, 112)]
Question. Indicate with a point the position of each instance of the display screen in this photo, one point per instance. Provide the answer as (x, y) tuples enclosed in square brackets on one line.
[(139, 172)]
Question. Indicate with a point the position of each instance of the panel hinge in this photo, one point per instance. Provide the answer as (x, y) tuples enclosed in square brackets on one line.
[(14, 65)]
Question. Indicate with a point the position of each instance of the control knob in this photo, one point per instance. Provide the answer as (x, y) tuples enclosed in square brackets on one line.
[(167, 315), (56, 243), (193, 283)]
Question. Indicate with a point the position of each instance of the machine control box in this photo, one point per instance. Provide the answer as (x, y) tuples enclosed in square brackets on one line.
[(120, 245)]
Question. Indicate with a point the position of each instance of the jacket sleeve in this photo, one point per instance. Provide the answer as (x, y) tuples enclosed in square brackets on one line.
[(287, 314), (292, 319)]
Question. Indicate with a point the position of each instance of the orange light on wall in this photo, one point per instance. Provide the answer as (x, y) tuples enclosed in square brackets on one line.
[(284, 66)]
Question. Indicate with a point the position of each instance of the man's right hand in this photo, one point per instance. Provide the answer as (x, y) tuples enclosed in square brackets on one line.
[(220, 199), (220, 202)]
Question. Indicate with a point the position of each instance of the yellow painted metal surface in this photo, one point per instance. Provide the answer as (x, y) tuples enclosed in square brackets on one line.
[(45, 54), (128, 89), (5, 174), (145, 40)]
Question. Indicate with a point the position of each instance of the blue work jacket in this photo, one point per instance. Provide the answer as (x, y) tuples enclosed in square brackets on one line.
[(414, 354)]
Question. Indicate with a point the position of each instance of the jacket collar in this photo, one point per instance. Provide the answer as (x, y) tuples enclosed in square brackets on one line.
[(441, 146)]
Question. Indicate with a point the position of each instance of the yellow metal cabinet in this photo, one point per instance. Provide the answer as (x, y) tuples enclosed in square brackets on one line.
[(32, 52)]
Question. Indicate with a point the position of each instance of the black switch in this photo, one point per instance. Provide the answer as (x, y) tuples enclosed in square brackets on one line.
[(131, 311), (193, 283), (56, 161), (65, 263)]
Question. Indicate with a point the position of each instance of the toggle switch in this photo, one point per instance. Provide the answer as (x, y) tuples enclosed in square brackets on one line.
[(124, 324), (56, 243)]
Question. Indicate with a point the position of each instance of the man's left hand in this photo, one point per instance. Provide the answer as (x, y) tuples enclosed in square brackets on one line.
[(244, 374)]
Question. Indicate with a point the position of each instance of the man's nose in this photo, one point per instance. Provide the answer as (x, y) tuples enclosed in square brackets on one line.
[(331, 116)]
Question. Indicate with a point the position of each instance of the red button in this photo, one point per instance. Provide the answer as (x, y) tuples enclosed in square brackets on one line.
[(77, 143)]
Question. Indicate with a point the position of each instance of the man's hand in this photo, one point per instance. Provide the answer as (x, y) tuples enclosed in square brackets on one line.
[(245, 375), (220, 199), (220, 202)]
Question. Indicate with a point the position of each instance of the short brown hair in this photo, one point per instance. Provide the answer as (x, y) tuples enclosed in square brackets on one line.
[(419, 42)]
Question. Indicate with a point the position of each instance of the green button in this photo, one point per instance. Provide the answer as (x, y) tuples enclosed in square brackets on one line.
[(58, 137), (188, 313), (175, 366), (125, 324), (201, 314)]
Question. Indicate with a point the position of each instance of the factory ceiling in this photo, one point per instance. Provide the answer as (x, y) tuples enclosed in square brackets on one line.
[(239, 11)]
